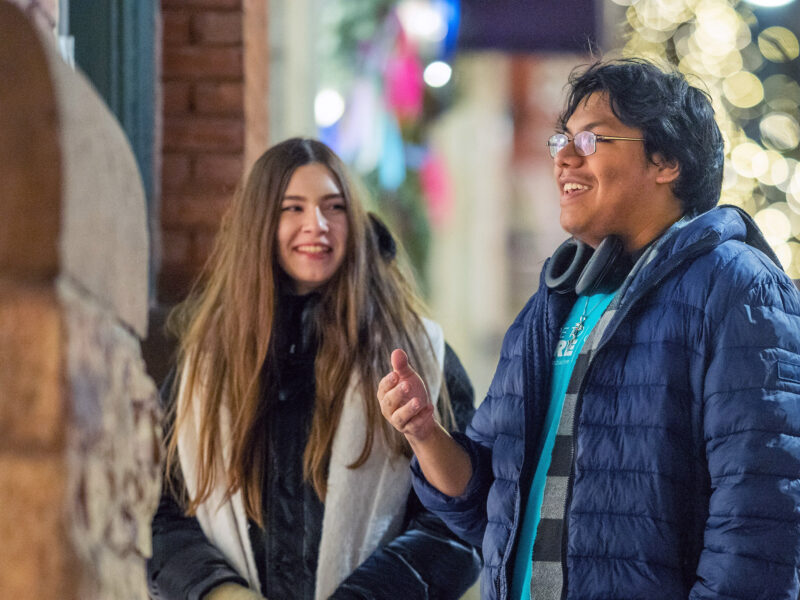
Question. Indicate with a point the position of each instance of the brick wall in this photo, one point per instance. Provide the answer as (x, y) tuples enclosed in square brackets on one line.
[(204, 131)]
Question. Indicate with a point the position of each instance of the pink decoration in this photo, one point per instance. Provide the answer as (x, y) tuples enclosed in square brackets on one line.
[(403, 80), (435, 183)]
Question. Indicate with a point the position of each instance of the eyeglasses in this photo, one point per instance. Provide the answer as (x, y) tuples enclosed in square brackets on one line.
[(585, 142)]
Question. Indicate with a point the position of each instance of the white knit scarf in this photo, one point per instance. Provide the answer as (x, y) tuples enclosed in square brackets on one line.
[(364, 507)]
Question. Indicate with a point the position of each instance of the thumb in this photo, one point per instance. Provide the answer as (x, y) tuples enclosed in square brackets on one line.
[(400, 364)]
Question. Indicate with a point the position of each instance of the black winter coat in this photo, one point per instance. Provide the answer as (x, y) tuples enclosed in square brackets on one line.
[(425, 561)]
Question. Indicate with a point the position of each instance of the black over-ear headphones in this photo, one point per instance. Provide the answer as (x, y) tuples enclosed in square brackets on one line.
[(576, 266)]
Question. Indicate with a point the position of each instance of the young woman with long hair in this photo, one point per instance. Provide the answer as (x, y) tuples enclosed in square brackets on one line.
[(283, 479)]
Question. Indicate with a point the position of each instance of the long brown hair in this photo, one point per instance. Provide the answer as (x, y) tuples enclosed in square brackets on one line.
[(226, 325)]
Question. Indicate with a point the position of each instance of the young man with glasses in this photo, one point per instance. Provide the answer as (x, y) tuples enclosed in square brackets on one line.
[(641, 437)]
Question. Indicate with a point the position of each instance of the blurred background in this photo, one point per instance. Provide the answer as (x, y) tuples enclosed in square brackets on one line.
[(442, 107)]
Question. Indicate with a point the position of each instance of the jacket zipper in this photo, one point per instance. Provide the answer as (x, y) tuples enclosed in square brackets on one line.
[(622, 313), (525, 468)]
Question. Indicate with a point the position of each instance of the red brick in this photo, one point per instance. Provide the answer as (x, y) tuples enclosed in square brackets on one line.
[(177, 27), (204, 134), (217, 28), (177, 97), (175, 247), (219, 98), (202, 62), (175, 171), (218, 169), (193, 212), (223, 4)]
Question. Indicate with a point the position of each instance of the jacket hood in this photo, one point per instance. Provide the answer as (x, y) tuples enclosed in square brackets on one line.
[(691, 237), (718, 225)]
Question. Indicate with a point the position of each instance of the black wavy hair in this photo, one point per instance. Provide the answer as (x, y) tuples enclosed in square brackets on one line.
[(676, 120)]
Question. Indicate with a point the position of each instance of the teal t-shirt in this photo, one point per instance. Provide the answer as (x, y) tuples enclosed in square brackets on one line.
[(581, 320)]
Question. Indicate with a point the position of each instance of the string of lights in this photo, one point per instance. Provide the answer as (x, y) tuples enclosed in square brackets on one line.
[(750, 69)]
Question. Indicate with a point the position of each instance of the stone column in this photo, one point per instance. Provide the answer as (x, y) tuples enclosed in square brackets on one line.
[(79, 421)]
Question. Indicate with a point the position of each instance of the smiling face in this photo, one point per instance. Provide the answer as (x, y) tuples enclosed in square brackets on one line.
[(313, 228), (617, 190)]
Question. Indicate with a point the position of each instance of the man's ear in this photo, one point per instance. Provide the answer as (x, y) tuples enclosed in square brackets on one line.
[(668, 170)]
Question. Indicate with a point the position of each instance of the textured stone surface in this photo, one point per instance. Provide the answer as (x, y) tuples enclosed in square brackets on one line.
[(113, 449), (103, 242)]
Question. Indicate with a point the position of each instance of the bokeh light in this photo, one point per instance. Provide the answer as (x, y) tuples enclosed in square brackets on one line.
[(769, 3), (422, 20), (780, 131), (437, 74), (743, 89), (749, 160), (747, 69), (774, 224), (328, 107), (778, 44)]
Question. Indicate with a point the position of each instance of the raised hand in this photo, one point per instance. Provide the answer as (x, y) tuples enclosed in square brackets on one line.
[(404, 400)]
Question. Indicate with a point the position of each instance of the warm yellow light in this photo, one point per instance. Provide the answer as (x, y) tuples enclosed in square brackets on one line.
[(783, 186), (793, 266), (717, 27), (774, 224), (723, 66), (780, 131), (784, 253), (743, 89), (749, 160), (662, 15), (782, 93), (777, 170), (729, 177), (778, 44), (793, 191), (794, 218)]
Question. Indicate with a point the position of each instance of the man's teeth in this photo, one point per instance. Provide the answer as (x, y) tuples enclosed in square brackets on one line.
[(570, 187), (313, 249)]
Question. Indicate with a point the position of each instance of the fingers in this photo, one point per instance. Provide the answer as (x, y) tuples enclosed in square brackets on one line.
[(394, 397), (411, 416), (386, 384), (400, 363)]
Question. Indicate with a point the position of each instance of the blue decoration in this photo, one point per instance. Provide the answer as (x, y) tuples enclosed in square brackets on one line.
[(392, 166), (451, 10)]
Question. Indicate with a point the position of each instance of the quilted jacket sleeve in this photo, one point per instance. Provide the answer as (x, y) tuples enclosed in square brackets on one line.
[(751, 423)]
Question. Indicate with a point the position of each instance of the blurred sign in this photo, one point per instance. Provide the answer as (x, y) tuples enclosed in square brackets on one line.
[(529, 25)]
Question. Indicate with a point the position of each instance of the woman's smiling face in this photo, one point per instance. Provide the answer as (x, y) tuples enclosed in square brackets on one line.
[(313, 228)]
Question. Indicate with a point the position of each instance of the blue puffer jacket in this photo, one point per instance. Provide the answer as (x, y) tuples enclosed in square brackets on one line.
[(686, 476)]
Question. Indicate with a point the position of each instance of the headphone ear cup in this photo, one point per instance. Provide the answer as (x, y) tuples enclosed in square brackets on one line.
[(606, 269), (566, 265)]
